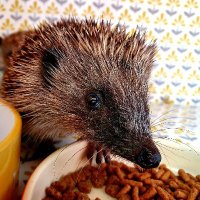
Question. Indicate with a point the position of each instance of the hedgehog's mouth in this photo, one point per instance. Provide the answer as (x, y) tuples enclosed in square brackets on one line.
[(146, 156)]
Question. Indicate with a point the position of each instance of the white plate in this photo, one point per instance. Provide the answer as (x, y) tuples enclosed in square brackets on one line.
[(70, 159)]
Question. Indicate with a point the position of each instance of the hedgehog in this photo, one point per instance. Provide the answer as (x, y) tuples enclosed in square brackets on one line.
[(85, 77)]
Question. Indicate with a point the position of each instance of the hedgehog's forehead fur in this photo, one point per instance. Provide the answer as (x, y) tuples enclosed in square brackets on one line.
[(91, 56)]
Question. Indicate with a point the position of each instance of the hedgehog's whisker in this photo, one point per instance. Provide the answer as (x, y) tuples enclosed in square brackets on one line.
[(84, 164), (162, 115), (165, 119), (69, 158), (172, 148), (163, 153), (166, 128), (171, 151), (177, 142)]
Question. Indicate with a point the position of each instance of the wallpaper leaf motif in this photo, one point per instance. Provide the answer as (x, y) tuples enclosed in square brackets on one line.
[(174, 24)]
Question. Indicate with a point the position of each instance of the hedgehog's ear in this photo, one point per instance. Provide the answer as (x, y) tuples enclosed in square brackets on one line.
[(50, 63)]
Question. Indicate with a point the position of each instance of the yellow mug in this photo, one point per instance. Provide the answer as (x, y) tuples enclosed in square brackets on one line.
[(10, 138)]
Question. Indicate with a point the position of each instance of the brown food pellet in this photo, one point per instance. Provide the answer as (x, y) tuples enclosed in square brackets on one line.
[(125, 197), (113, 180), (120, 173), (180, 194), (98, 178), (112, 190), (135, 193), (82, 196), (133, 174), (163, 193), (85, 186), (132, 183), (153, 182), (52, 192), (193, 194), (183, 175), (143, 189), (127, 168), (173, 185), (66, 182), (198, 177), (182, 185), (150, 193), (191, 177), (69, 195), (144, 176), (165, 176), (124, 190), (162, 166), (159, 173)]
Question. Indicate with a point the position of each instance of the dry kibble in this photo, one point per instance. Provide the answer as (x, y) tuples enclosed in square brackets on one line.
[(82, 196), (69, 195), (173, 185), (113, 180), (66, 182), (192, 177), (52, 192), (98, 178), (133, 174), (120, 173), (183, 175), (159, 173), (153, 182), (132, 183), (126, 183), (194, 184), (165, 176), (144, 176), (143, 189), (150, 193), (163, 193), (124, 197), (182, 185), (124, 190), (135, 193), (112, 190), (85, 186), (127, 168), (162, 166), (180, 194), (193, 194), (198, 177)]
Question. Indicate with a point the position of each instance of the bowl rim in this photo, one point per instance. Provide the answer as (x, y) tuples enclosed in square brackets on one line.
[(27, 192)]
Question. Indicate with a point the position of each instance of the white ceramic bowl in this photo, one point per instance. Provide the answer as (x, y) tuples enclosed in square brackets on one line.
[(69, 159)]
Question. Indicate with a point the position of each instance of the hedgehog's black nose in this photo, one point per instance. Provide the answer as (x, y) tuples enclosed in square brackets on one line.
[(147, 159)]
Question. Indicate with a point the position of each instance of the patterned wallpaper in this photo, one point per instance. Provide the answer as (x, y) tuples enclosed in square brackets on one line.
[(174, 23)]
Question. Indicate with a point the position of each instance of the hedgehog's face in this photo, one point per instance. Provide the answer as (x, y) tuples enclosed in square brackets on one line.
[(108, 104), (122, 124)]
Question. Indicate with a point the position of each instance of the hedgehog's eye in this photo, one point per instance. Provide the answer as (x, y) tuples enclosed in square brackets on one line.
[(94, 100)]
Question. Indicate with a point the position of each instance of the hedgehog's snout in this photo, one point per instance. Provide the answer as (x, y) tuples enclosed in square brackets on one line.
[(148, 159)]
